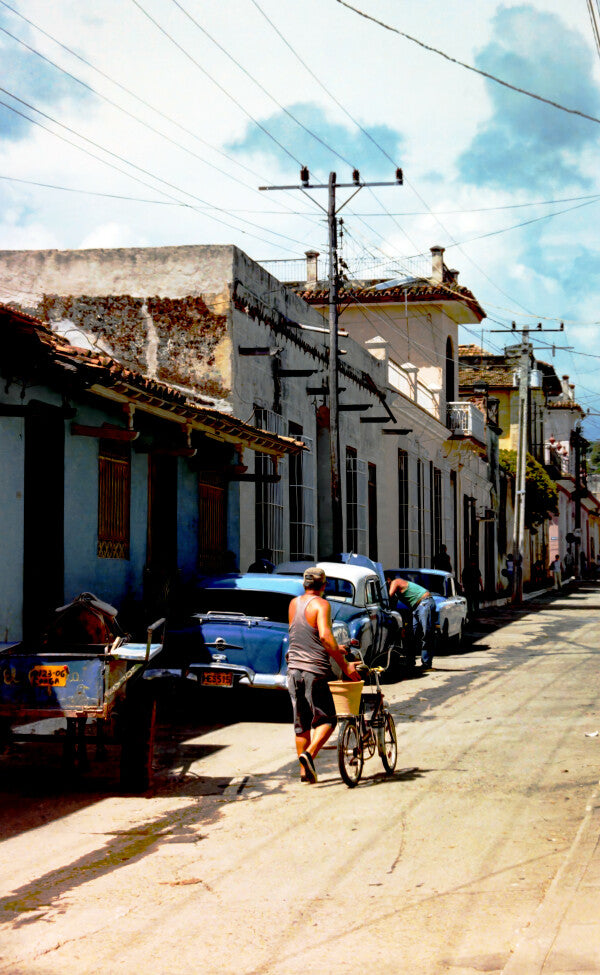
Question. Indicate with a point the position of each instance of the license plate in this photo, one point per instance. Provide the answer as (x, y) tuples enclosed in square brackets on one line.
[(217, 678), (55, 676)]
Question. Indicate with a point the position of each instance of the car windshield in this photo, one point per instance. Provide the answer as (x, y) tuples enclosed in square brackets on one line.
[(272, 605), (339, 589), (428, 580)]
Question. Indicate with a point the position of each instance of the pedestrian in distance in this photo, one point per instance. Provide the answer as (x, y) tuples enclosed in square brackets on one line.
[(423, 613), (556, 570), (472, 585), (509, 572), (312, 647), (569, 564), (442, 560)]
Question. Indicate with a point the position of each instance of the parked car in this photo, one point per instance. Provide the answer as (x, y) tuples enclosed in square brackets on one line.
[(450, 607), (358, 597), (239, 634)]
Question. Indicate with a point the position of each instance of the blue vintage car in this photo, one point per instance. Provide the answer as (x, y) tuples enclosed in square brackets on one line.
[(239, 634), (450, 607), (358, 596)]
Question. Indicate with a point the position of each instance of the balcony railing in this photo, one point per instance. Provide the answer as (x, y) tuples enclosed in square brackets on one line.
[(466, 420)]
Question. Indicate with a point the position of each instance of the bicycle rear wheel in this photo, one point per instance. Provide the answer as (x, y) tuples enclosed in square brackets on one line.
[(387, 744), (350, 752)]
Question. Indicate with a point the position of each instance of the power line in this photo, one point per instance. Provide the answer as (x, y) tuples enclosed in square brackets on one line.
[(470, 67), (320, 83), (262, 88), (216, 83), (131, 93), (133, 165)]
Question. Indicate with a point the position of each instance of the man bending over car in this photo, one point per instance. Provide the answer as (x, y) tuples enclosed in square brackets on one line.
[(311, 649)]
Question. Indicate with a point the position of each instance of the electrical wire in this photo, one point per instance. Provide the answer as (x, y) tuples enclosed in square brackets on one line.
[(133, 165), (470, 67), (221, 88), (262, 88), (132, 94)]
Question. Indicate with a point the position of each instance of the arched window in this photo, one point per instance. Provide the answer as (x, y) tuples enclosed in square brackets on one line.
[(450, 388)]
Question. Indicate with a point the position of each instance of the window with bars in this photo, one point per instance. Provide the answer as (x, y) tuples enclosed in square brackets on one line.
[(403, 508), (356, 502), (437, 511), (269, 505), (301, 499), (372, 511), (420, 511), (114, 498)]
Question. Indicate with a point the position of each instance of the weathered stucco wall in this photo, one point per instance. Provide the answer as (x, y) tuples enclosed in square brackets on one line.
[(160, 310)]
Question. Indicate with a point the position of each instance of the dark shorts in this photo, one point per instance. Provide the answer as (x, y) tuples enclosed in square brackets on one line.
[(311, 699)]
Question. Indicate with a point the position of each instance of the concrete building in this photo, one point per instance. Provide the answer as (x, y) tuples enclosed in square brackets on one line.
[(574, 531), (436, 469), (102, 479), (211, 321)]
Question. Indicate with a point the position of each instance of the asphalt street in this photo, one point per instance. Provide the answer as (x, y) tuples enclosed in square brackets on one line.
[(470, 858)]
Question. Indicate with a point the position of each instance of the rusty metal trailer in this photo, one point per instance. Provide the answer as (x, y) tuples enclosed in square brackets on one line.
[(94, 683)]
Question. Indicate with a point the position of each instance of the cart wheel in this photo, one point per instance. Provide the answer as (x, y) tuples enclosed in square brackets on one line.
[(137, 749), (387, 743), (350, 753)]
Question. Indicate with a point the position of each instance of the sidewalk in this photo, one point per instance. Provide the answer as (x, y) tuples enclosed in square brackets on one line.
[(507, 600)]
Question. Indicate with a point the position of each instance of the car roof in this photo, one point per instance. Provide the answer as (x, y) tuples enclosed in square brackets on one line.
[(338, 570), (430, 572), (255, 581)]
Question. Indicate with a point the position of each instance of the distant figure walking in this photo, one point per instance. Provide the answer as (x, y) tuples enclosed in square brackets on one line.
[(510, 571), (442, 560), (555, 569), (472, 585)]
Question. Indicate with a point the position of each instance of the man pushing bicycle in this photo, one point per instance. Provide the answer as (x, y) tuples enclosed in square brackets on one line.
[(312, 647)]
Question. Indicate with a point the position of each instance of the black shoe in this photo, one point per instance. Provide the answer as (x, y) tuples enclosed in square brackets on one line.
[(306, 761)]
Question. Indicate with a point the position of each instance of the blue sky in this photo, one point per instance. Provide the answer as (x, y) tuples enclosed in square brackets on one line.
[(483, 158)]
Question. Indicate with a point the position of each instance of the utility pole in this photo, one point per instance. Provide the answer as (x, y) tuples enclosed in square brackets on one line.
[(337, 533), (524, 350), (520, 482)]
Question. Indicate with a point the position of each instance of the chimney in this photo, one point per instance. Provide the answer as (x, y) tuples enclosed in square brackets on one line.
[(452, 275), (312, 271), (437, 264)]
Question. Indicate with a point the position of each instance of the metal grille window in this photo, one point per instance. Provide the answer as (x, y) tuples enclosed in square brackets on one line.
[(372, 511), (437, 510), (420, 510), (268, 496), (403, 500), (302, 500), (356, 502), (114, 496)]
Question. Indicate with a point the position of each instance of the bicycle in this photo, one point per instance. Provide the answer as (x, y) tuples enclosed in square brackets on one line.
[(372, 728)]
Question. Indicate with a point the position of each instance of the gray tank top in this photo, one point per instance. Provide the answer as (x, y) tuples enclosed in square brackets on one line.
[(305, 651)]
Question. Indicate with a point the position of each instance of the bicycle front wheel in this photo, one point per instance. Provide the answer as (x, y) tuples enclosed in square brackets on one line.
[(350, 753), (387, 744)]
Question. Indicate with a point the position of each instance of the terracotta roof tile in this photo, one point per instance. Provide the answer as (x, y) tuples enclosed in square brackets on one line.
[(363, 291), (99, 368)]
